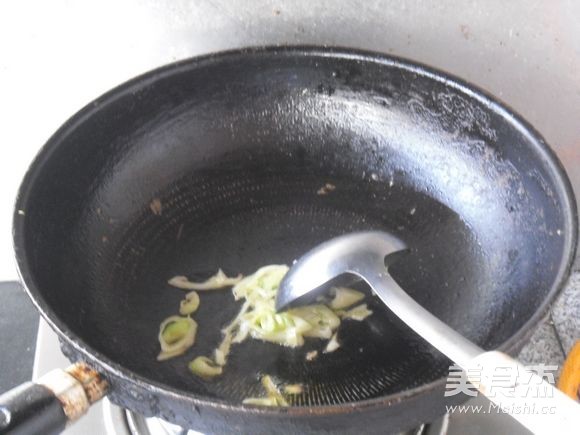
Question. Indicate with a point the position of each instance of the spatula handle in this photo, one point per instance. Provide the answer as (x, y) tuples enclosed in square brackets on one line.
[(527, 397), (535, 403), (448, 341)]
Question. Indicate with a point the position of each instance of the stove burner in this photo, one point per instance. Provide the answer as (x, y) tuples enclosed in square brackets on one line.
[(139, 425)]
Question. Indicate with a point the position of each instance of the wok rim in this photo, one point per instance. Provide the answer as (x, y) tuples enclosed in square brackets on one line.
[(109, 367)]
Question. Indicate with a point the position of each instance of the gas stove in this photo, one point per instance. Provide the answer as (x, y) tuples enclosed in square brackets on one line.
[(105, 418)]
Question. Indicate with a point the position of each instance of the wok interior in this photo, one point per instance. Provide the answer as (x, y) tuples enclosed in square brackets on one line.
[(236, 157)]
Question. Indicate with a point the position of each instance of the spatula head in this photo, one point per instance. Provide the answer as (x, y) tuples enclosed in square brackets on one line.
[(361, 254)]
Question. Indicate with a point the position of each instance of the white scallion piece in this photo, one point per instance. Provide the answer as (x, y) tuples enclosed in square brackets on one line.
[(190, 304), (344, 297), (360, 312), (332, 344), (218, 281), (176, 335)]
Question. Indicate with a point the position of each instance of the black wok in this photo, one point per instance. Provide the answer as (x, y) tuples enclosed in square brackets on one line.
[(218, 161)]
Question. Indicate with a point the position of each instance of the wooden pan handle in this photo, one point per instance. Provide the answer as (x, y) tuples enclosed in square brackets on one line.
[(569, 382)]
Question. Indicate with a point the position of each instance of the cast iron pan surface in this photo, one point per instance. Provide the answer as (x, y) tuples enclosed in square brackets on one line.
[(235, 147)]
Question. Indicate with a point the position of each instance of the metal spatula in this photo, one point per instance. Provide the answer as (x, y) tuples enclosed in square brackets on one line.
[(367, 255)]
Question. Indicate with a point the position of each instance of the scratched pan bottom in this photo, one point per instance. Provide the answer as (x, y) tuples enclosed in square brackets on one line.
[(274, 219)]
